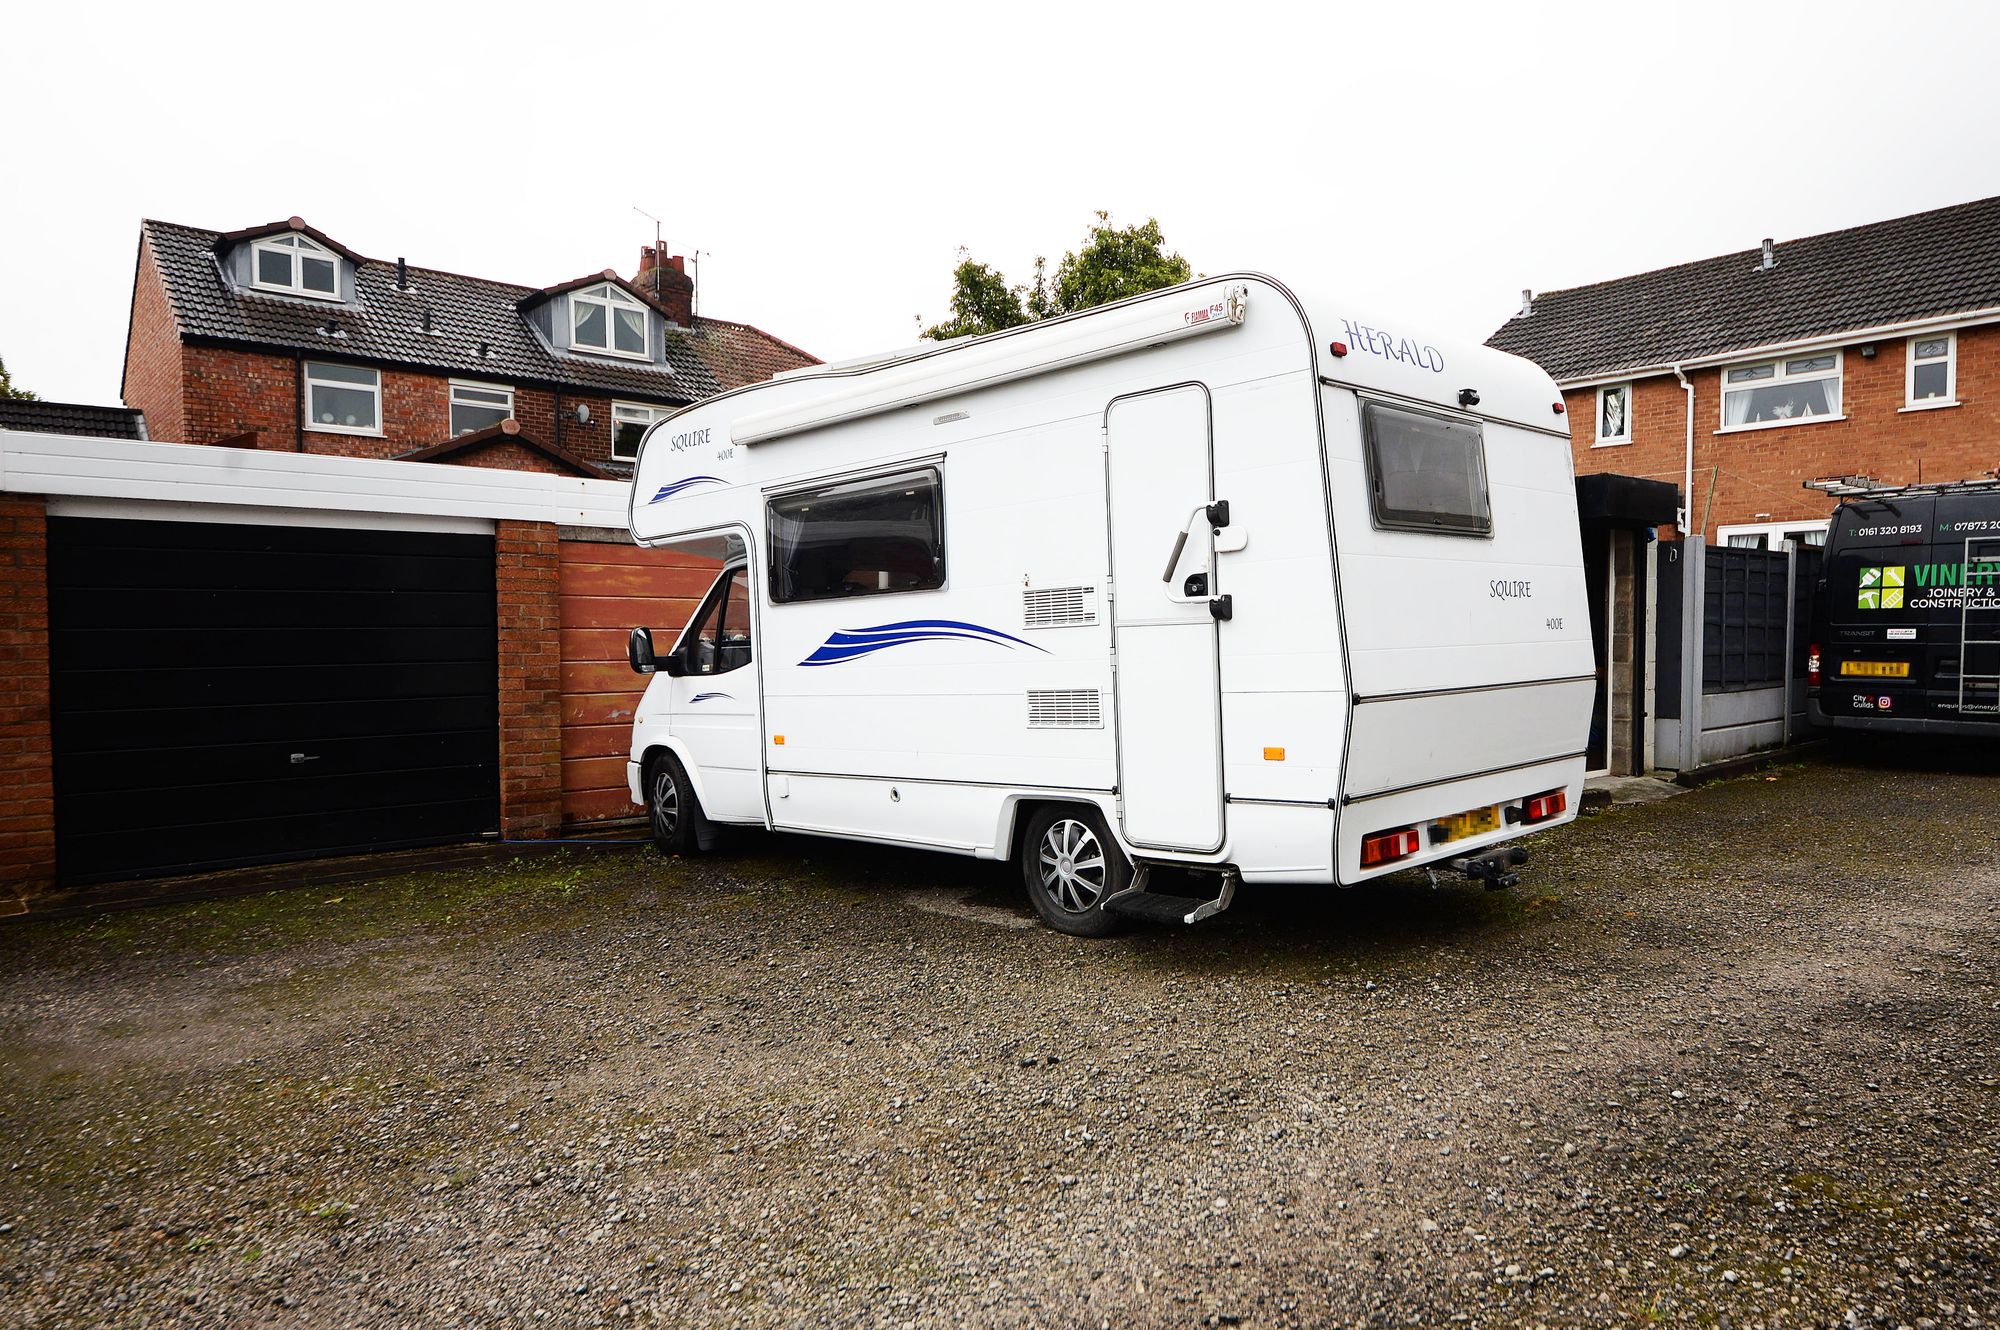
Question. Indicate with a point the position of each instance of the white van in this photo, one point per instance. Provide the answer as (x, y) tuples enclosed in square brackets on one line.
[(1218, 578)]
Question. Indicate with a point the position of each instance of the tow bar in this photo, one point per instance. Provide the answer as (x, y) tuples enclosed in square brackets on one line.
[(1495, 869)]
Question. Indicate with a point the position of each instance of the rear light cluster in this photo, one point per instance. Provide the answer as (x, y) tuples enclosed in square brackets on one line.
[(1812, 665), (1545, 806), (1386, 847)]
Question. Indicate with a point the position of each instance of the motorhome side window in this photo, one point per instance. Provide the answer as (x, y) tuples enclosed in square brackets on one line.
[(1426, 472), (859, 537)]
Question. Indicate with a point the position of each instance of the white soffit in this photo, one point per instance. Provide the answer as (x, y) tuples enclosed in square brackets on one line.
[(68, 467)]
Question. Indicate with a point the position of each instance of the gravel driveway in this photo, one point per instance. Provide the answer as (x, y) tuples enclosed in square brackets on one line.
[(1723, 1060)]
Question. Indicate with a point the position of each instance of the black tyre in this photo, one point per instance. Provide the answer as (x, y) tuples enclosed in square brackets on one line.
[(671, 806), (1070, 864)]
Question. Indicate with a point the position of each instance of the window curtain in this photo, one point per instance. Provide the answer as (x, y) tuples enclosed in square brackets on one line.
[(785, 533)]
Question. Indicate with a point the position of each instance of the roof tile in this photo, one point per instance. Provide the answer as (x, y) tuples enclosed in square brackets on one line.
[(102, 422), (386, 324), (738, 353), (1927, 265)]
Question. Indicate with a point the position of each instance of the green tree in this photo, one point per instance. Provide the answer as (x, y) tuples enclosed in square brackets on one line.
[(1113, 263), (7, 388), (981, 302)]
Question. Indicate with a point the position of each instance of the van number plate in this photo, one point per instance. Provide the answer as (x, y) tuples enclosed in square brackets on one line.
[(1876, 669), (1460, 825)]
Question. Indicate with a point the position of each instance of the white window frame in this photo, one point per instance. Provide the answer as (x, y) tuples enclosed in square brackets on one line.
[(609, 298), (633, 413), (1910, 400), (451, 400), (1838, 374), (306, 396), (296, 248), (1604, 440), (1775, 533)]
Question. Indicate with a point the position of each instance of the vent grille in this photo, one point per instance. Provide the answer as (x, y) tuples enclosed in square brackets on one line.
[(1064, 709), (1059, 606)]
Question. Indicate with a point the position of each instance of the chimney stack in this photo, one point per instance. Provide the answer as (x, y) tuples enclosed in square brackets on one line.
[(1527, 303), (1770, 258), (664, 277)]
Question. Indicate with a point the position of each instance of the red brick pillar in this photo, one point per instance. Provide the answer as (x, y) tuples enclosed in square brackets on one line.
[(528, 579), (27, 791)]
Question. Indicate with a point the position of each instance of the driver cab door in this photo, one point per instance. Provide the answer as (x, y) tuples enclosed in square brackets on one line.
[(712, 709)]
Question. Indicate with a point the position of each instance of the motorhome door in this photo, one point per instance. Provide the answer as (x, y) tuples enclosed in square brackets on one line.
[(714, 712), (1167, 703)]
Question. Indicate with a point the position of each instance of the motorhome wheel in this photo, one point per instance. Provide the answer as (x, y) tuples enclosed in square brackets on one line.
[(671, 806), (1071, 864)]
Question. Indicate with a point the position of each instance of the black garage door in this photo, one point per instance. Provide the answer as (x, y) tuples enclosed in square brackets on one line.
[(231, 694)]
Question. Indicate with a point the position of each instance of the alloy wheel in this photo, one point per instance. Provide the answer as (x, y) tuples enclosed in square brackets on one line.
[(1072, 865), (666, 802)]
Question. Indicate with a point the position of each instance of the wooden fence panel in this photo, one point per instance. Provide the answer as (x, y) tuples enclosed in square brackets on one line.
[(607, 590)]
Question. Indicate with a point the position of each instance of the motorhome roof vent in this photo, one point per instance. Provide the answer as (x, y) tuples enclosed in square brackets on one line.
[(1065, 709), (1059, 606)]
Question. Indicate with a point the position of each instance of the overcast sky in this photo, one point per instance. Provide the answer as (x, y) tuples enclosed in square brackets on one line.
[(1430, 159)]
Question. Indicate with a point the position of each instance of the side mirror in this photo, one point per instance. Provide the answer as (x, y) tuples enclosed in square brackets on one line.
[(639, 651)]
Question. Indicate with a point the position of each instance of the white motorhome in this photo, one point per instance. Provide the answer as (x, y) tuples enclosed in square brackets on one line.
[(1220, 578)]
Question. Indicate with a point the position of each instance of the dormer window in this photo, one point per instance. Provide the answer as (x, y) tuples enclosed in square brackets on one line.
[(295, 265), (606, 319)]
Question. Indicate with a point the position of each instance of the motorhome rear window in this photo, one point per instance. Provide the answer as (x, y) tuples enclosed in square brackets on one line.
[(859, 537), (1426, 472)]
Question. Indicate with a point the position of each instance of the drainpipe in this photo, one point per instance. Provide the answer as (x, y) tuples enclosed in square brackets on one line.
[(1687, 487)]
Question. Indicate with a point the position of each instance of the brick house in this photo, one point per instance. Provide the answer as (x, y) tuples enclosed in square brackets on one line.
[(280, 337), (1869, 351), (329, 639)]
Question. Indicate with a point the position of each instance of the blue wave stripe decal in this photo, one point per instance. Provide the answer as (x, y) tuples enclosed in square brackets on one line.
[(852, 643), (669, 491), (710, 697)]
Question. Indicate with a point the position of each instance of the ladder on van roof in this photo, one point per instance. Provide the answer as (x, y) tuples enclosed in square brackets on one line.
[(1867, 487), (1982, 574)]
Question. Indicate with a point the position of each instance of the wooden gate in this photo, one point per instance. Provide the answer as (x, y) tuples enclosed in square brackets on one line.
[(607, 590)]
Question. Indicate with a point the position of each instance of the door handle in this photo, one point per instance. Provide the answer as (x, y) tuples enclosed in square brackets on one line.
[(300, 759), (1202, 512)]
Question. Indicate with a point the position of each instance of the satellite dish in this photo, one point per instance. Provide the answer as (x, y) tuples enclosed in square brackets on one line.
[(583, 413)]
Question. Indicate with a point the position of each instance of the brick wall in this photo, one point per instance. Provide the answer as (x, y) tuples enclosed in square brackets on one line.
[(535, 409), (27, 795), (227, 392), (153, 354), (527, 576), (1756, 475)]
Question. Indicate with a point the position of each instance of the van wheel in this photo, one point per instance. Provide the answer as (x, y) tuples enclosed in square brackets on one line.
[(671, 807), (1071, 864)]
